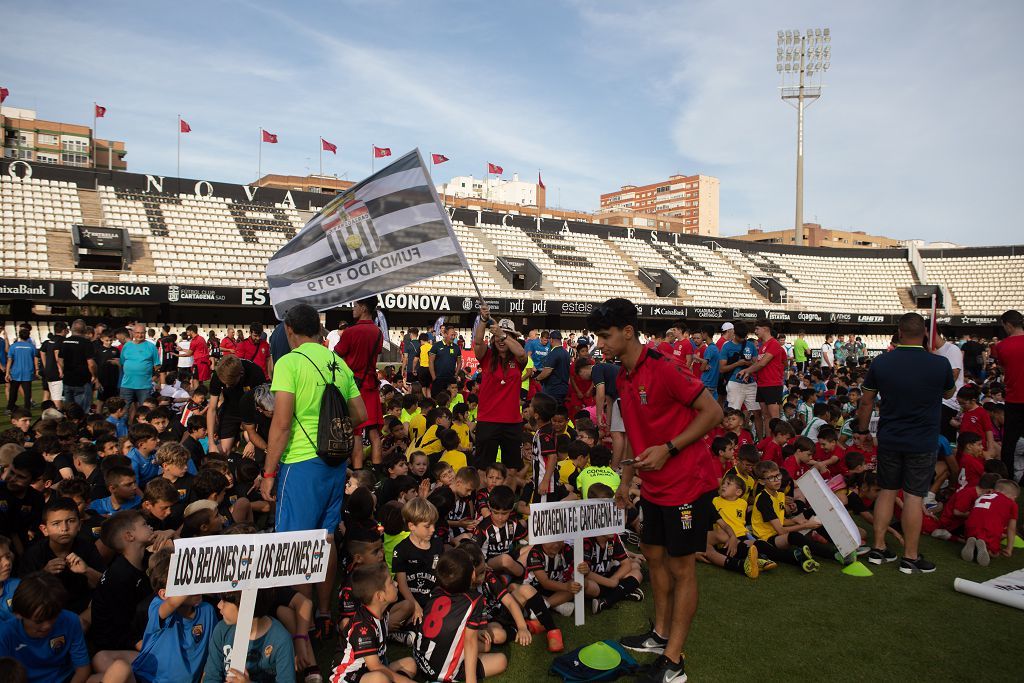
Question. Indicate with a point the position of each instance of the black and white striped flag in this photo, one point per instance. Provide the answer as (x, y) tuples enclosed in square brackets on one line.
[(386, 232)]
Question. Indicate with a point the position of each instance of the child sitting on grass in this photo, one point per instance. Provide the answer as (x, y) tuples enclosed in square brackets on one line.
[(502, 611), (727, 546), (500, 536), (494, 476), (270, 657), (776, 539), (416, 557), (992, 520), (957, 509), (609, 574)]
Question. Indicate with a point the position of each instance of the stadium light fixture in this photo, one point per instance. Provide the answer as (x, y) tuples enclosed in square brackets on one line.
[(801, 60)]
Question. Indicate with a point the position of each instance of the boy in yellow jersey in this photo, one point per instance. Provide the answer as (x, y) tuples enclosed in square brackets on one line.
[(423, 372), (727, 544), (778, 538), (747, 458), (460, 423), (418, 420), (438, 420)]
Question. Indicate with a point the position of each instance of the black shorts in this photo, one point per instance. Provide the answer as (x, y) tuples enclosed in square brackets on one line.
[(493, 435), (423, 375), (185, 374), (681, 529), (460, 675), (229, 426), (910, 472), (769, 395)]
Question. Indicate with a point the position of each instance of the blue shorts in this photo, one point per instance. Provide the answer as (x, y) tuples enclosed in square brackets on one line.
[(136, 396), (309, 496)]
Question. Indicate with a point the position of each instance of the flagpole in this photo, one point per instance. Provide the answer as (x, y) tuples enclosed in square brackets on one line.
[(321, 156), (95, 147), (371, 159), (259, 163), (179, 148)]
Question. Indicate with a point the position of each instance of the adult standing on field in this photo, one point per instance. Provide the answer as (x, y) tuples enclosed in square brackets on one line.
[(666, 412), (1009, 353), (76, 359), (912, 383), (138, 360), (499, 417), (770, 370), (360, 345), (48, 359), (309, 492), (444, 360), (801, 352)]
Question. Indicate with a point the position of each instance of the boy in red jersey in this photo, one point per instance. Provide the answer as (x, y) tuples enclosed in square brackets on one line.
[(958, 508), (992, 521), (666, 412), (975, 419), (972, 460), (771, 446)]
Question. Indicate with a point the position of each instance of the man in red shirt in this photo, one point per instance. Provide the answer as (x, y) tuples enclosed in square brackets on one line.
[(228, 344), (1009, 353), (666, 412), (200, 353), (360, 345), (769, 370), (254, 348)]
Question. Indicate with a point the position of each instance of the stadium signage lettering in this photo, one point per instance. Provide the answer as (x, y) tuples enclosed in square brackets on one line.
[(870, 318), (744, 315), (539, 306), (716, 313), (414, 302), (255, 296), (376, 266), (176, 293), (516, 306), (777, 315), (974, 320), (673, 312), (809, 317), (23, 289), (577, 307), (84, 289), (840, 318)]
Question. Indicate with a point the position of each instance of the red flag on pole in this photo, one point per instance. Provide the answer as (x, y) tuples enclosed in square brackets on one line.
[(438, 158), (540, 182), (494, 168), (269, 137), (328, 147), (379, 152), (185, 128), (100, 111), (933, 324), (4, 92)]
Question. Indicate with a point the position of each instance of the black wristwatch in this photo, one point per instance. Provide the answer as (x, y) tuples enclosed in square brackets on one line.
[(672, 449)]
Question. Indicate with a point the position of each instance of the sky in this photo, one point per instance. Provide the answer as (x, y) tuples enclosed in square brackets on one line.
[(917, 135)]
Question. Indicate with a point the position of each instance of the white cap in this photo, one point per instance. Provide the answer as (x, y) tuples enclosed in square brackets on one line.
[(726, 326)]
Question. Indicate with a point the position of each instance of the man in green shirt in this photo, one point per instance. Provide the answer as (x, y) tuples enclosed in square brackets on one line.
[(309, 492), (800, 353)]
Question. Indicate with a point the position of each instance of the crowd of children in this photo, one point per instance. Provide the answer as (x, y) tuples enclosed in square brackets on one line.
[(434, 551)]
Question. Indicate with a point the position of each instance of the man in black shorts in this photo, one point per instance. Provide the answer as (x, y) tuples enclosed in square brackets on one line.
[(233, 378), (666, 412)]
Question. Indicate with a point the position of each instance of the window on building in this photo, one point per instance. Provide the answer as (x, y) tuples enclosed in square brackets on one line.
[(663, 188), (47, 158), (72, 159), (74, 145), (46, 139)]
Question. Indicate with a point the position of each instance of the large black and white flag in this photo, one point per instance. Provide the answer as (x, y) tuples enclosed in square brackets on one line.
[(386, 232)]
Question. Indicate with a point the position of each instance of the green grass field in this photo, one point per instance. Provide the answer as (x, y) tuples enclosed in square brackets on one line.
[(788, 625), (791, 626)]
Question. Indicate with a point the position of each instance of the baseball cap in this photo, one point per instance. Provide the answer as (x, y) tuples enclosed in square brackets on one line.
[(508, 327), (199, 505), (726, 326), (555, 334)]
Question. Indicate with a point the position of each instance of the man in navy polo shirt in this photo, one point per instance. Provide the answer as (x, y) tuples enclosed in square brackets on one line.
[(554, 375), (912, 383), (666, 412), (445, 358)]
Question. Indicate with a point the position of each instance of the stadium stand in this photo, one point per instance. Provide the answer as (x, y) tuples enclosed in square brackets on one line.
[(188, 238)]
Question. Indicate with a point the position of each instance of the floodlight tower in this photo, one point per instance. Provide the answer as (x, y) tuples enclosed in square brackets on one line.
[(801, 60)]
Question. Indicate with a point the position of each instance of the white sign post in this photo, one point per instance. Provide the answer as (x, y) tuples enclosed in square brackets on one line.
[(572, 521), (844, 532), (246, 563)]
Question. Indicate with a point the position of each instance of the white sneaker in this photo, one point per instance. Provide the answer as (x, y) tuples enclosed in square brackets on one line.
[(565, 609), (929, 498), (942, 534)]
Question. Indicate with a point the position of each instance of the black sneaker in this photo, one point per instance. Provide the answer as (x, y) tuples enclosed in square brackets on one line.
[(664, 670), (645, 642), (918, 566), (636, 595), (881, 556)]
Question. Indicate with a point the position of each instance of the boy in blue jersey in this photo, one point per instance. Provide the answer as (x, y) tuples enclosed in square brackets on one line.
[(124, 495), (8, 584), (146, 440), (117, 415), (177, 635), (44, 637)]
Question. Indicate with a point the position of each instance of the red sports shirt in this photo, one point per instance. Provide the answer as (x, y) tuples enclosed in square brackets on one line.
[(962, 501), (770, 450), (499, 390), (989, 517), (1010, 354), (655, 399), (976, 421), (360, 345), (771, 375), (971, 469), (796, 469)]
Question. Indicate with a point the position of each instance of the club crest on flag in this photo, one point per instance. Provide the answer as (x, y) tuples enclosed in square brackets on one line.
[(350, 231)]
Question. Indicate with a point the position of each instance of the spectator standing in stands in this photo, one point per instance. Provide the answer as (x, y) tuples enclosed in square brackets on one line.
[(913, 383), (950, 406), (444, 359), (828, 358), (499, 417), (48, 359), (974, 357), (801, 353), (554, 373), (139, 359), (667, 413), (22, 365), (1009, 353), (255, 348), (410, 355), (770, 370), (538, 348), (76, 359), (228, 343), (360, 345), (309, 492)]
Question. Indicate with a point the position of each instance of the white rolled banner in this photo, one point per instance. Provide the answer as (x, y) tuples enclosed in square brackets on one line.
[(1007, 589)]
